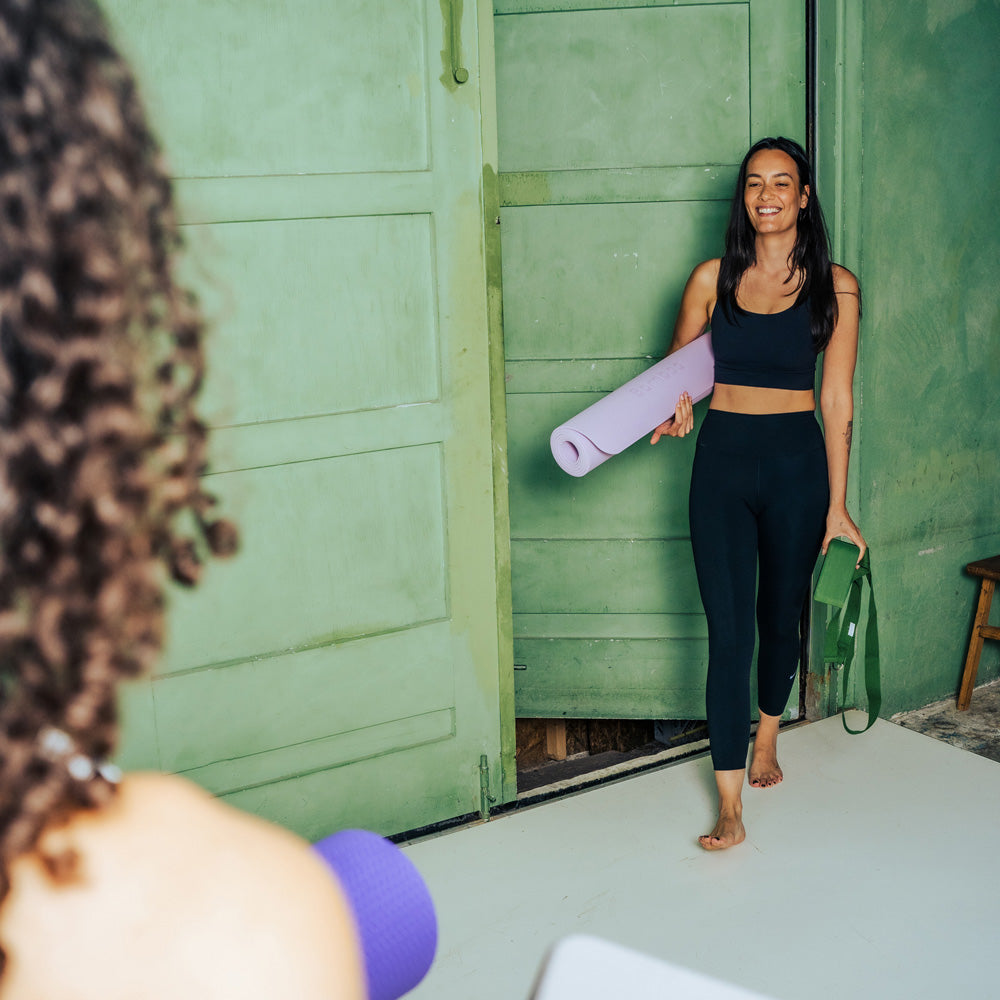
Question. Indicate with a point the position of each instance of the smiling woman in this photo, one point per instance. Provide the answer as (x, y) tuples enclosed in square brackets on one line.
[(772, 194), (768, 493)]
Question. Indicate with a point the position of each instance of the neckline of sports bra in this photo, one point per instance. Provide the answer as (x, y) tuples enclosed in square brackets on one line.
[(750, 312)]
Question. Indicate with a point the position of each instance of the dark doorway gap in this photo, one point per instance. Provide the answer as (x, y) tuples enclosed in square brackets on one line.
[(594, 745)]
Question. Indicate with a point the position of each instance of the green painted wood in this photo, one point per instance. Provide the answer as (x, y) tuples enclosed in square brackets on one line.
[(640, 494), (549, 6), (611, 626), (838, 120), (498, 401), (342, 796), (777, 68), (617, 575), (601, 281), (573, 375), (662, 678), (241, 89), (608, 186), (344, 669), (139, 749), (251, 446), (394, 253), (372, 694), (622, 88), (838, 123), (619, 128), (261, 199), (611, 678), (321, 560)]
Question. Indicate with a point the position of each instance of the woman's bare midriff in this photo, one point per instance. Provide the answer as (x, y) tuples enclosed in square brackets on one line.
[(753, 399)]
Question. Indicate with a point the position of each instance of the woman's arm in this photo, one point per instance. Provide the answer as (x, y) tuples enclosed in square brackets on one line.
[(837, 405), (694, 316)]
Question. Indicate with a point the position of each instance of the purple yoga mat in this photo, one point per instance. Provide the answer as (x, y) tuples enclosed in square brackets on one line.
[(622, 417), (392, 909)]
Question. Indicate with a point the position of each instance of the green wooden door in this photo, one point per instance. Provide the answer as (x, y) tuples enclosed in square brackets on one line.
[(344, 668), (621, 128)]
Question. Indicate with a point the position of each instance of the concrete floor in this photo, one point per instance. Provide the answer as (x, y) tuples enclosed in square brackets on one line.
[(870, 872), (976, 730)]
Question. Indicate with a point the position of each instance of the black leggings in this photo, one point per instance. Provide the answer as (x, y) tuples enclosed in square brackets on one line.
[(759, 496)]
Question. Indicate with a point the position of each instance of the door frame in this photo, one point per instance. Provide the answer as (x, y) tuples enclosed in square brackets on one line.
[(833, 133), (834, 78), (498, 397)]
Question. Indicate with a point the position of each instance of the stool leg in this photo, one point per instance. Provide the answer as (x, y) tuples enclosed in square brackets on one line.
[(975, 644)]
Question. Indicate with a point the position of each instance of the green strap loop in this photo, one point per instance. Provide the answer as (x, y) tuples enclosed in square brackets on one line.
[(840, 640)]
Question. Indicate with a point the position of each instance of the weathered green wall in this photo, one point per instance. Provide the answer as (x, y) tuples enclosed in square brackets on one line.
[(927, 471)]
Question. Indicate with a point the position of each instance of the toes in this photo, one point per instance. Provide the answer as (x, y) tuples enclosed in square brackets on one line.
[(766, 780)]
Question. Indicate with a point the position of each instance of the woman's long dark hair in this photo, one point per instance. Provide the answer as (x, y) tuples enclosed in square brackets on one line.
[(809, 263), (101, 446)]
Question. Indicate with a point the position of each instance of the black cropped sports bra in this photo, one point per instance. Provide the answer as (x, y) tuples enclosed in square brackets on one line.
[(766, 350)]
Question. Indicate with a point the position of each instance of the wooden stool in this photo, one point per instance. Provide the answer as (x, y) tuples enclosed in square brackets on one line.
[(989, 571)]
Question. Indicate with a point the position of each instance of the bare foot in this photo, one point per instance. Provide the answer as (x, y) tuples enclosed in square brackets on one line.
[(728, 832), (764, 769)]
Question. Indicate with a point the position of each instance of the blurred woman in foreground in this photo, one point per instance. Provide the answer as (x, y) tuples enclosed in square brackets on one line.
[(113, 886)]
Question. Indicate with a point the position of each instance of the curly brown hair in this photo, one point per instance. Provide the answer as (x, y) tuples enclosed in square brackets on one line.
[(101, 450)]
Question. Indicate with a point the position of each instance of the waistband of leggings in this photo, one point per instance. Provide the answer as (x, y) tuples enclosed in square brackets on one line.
[(761, 433)]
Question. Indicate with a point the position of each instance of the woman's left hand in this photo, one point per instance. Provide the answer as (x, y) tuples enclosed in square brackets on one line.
[(839, 523)]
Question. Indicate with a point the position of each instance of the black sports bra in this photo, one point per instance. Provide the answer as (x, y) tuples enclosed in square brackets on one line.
[(767, 350)]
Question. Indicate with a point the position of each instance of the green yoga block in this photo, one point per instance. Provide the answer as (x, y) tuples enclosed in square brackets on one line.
[(836, 573)]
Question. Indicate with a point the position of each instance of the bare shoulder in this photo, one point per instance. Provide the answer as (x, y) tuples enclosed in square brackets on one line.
[(251, 907), (270, 886), (240, 851), (696, 306), (844, 281), (706, 275), (697, 302)]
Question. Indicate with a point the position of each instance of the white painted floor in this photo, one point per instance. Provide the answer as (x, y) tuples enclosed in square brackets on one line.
[(872, 871)]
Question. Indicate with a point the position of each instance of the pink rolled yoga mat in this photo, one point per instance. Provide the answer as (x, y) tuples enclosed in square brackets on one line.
[(622, 417)]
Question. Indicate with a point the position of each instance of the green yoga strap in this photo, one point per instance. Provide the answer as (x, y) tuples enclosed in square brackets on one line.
[(840, 639)]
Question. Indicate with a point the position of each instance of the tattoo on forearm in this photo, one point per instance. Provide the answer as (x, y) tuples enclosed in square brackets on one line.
[(848, 434)]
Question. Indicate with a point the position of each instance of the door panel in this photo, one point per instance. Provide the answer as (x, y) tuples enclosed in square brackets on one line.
[(621, 128), (614, 258), (359, 567), (304, 306), (248, 88), (344, 668), (412, 708), (622, 88)]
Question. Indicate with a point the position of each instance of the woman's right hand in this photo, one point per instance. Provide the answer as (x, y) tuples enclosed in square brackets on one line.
[(681, 423)]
